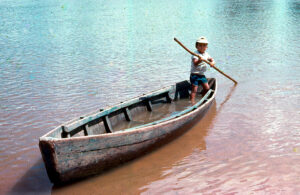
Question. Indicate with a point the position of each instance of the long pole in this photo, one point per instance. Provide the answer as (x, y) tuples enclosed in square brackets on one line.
[(206, 61)]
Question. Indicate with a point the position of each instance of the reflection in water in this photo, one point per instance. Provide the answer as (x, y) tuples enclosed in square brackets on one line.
[(35, 180), (134, 176), (232, 89)]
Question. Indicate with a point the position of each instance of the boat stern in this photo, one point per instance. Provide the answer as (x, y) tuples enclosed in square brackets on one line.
[(47, 149)]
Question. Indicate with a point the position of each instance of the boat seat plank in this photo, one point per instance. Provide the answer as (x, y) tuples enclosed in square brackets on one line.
[(168, 98), (65, 132), (149, 105), (182, 90), (85, 130), (107, 124), (127, 114)]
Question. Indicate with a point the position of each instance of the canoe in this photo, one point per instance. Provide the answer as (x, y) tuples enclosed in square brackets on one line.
[(109, 137)]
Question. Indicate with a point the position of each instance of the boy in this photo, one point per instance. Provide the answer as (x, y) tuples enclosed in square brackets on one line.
[(198, 67)]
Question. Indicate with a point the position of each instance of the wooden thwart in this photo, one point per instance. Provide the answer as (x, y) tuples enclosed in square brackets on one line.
[(85, 130), (149, 105), (107, 124), (65, 133), (168, 98), (127, 114)]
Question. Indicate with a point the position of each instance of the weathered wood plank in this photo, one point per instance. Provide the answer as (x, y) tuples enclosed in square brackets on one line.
[(65, 132), (85, 130), (168, 98), (127, 114), (107, 124), (149, 105)]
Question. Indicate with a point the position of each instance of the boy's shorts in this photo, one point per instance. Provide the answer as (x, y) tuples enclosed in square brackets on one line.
[(197, 79)]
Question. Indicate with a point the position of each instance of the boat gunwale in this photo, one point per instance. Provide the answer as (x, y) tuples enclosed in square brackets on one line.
[(138, 128)]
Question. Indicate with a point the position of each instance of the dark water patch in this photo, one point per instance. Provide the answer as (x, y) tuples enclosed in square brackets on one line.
[(35, 180)]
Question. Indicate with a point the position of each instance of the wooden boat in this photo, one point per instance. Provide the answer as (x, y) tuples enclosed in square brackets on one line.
[(96, 142)]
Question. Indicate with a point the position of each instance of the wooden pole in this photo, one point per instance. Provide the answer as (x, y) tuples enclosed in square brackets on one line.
[(206, 61)]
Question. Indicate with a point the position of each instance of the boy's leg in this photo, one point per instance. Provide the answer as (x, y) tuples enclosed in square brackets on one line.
[(193, 93), (205, 88)]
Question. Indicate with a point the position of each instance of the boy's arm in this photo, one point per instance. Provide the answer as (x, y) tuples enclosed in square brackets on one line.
[(197, 61)]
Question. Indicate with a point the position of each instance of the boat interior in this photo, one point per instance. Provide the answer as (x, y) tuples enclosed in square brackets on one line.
[(148, 109)]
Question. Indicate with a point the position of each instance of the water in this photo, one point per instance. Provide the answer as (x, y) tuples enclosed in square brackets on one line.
[(62, 59)]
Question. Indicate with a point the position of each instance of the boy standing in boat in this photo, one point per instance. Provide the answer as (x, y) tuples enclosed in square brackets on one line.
[(198, 67)]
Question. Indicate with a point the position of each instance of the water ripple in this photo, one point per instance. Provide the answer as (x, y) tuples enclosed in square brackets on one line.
[(61, 59)]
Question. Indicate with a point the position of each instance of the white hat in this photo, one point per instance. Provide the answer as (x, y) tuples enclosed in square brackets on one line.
[(202, 40)]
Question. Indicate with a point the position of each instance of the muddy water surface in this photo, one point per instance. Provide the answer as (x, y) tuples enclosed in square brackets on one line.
[(63, 59)]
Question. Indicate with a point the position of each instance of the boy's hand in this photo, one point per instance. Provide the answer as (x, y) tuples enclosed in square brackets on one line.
[(199, 59), (212, 62)]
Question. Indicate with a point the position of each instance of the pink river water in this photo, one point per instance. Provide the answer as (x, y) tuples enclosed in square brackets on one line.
[(62, 59)]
